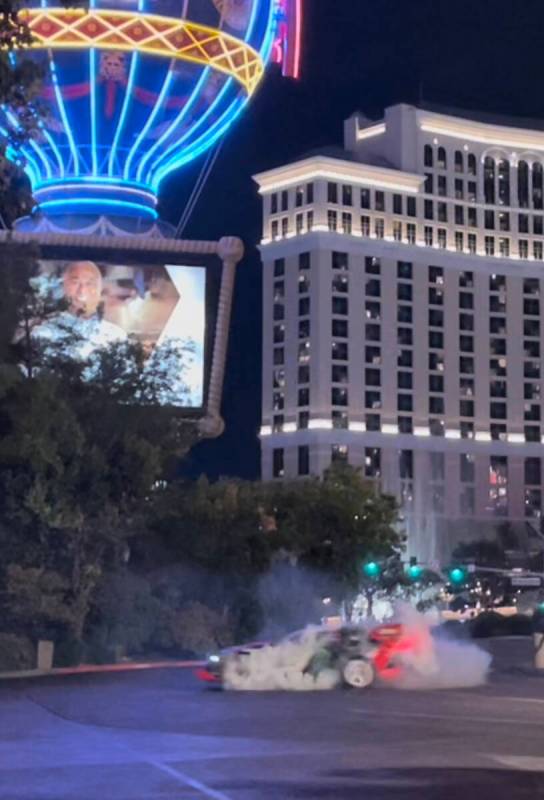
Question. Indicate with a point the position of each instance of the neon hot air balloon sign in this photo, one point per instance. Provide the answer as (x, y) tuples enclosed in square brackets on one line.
[(135, 89)]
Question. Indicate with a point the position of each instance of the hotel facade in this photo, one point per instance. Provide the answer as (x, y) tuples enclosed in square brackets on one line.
[(402, 321)]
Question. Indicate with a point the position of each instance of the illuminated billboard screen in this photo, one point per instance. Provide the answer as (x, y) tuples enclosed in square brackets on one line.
[(91, 306)]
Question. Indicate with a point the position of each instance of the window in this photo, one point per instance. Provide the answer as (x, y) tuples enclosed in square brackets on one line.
[(467, 501), (340, 420), (441, 160), (304, 352), (340, 260), (497, 347), (466, 322), (279, 267), (531, 412), (304, 306), (340, 284), (304, 374), (428, 236), (472, 243), (332, 192), (466, 408), (365, 198), (405, 336), (339, 454), (404, 402), (437, 466), (442, 186), (277, 423), (504, 247), (372, 462), (406, 465), (467, 468), (365, 226), (372, 333), (497, 410), (404, 270), (459, 241), (373, 356), (466, 365), (459, 189), (278, 400), (411, 233), (497, 367), (405, 358), (429, 182), (436, 318), (340, 305), (285, 200), (459, 166), (347, 223), (466, 344), (466, 280), (303, 420), (397, 204), (299, 196), (279, 312), (523, 184), (428, 211), (533, 471), (379, 228), (309, 193), (379, 201), (304, 329), (339, 351), (304, 261), (466, 429), (339, 396), (503, 169), (404, 314), (471, 163), (274, 203), (504, 221), (304, 460), (373, 310), (436, 427), (279, 356), (404, 292), (373, 287), (436, 362), (406, 425), (339, 373), (340, 328), (442, 238), (397, 231), (436, 296), (278, 469), (531, 327), (459, 215), (442, 212), (531, 286), (466, 387), (436, 383), (310, 220), (489, 220), (372, 265), (303, 284), (489, 180), (372, 422), (303, 397), (428, 155), (373, 377), (279, 334), (497, 325), (404, 380), (531, 307), (537, 251), (332, 220), (537, 186), (436, 405), (472, 217), (278, 378), (498, 485), (347, 195), (299, 224), (373, 400), (411, 206)]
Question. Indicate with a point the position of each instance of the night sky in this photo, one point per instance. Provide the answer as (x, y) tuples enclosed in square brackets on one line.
[(485, 55)]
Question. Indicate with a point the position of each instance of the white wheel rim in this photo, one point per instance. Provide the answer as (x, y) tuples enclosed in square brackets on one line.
[(358, 674)]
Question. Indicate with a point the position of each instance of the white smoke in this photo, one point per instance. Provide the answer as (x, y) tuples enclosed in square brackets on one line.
[(446, 664), (433, 663), (279, 667)]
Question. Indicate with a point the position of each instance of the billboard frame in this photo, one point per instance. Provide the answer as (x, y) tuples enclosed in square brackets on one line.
[(222, 256)]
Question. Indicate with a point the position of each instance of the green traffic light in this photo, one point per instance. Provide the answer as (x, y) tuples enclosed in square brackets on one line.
[(415, 572), (457, 575), (371, 569)]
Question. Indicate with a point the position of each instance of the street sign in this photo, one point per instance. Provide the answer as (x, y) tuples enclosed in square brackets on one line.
[(526, 581)]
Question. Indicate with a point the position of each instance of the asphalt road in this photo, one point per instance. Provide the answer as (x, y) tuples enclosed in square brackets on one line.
[(159, 736)]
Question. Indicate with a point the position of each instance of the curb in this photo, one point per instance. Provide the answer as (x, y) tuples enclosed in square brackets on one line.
[(86, 669)]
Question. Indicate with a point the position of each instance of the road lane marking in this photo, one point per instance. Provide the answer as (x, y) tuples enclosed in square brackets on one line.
[(449, 718), (184, 779), (528, 763)]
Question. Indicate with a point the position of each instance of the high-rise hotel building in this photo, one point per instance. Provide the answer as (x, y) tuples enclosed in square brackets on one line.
[(402, 327)]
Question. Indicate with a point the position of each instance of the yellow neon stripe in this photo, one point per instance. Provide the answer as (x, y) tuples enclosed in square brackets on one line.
[(79, 29)]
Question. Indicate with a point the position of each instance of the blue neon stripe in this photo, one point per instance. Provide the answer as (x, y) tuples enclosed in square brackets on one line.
[(12, 119), (209, 138), (268, 42), (150, 120), (192, 130), (84, 203), (126, 103), (175, 123), (63, 115)]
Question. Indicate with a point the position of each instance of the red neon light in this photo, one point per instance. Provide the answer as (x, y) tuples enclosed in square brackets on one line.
[(288, 45)]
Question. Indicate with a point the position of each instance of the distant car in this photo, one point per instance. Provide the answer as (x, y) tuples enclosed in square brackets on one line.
[(319, 658)]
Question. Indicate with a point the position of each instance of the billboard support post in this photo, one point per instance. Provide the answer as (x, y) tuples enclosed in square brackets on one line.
[(230, 250)]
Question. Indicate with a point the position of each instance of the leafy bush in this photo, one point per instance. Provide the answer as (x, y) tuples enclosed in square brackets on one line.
[(16, 652), (197, 629)]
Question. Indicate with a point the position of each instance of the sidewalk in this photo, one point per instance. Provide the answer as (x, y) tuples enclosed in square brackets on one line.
[(82, 669)]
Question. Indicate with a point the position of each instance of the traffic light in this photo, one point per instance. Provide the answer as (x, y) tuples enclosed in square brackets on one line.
[(457, 575), (415, 570), (371, 569)]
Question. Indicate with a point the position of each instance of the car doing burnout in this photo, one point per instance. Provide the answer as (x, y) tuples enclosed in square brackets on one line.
[(323, 658)]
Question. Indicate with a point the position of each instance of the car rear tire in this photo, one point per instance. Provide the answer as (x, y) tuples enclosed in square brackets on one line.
[(358, 673)]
